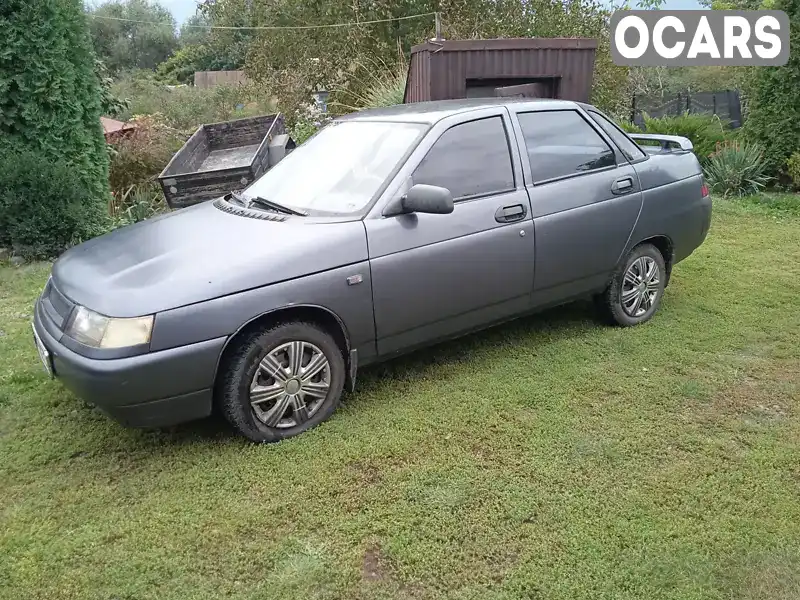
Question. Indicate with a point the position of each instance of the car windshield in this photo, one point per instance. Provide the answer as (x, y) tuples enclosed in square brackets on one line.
[(340, 169)]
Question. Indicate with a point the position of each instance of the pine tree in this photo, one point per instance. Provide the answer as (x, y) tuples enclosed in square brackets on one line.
[(49, 92)]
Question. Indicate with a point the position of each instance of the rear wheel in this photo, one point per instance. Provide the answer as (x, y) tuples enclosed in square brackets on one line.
[(636, 288), (281, 381)]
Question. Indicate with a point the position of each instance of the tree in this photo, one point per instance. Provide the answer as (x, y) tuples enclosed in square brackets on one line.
[(50, 104), (774, 103), (134, 43), (195, 31), (292, 62)]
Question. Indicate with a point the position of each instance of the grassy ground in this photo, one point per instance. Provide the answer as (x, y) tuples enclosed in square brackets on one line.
[(551, 458)]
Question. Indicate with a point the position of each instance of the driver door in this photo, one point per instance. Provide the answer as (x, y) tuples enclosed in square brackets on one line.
[(437, 276)]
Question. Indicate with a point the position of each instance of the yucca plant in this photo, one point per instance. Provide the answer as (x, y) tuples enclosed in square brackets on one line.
[(737, 169)]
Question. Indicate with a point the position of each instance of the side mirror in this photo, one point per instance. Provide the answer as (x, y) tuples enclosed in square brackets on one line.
[(422, 198)]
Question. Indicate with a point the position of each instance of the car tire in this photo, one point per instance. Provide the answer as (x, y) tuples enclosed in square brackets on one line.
[(280, 381), (636, 288)]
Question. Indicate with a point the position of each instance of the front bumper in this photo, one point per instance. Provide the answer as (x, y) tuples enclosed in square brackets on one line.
[(156, 389)]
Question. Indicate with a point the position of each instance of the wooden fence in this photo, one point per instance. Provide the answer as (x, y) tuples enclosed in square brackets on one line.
[(726, 104), (207, 79)]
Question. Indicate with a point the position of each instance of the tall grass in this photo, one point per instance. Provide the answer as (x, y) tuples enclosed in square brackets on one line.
[(187, 107), (381, 84)]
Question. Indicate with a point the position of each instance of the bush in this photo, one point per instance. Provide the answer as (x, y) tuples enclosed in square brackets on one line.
[(793, 169), (45, 206), (141, 156), (706, 131), (306, 121), (382, 85), (137, 203), (737, 169), (50, 100), (187, 107), (774, 104)]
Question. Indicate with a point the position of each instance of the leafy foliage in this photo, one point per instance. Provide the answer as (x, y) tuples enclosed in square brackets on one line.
[(185, 108), (305, 122), (385, 86), (706, 131), (137, 203), (737, 169), (793, 169), (293, 63), (128, 44), (774, 107), (141, 156), (43, 207), (50, 100), (110, 104)]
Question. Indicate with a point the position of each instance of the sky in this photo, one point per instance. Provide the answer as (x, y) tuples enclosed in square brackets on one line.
[(183, 9)]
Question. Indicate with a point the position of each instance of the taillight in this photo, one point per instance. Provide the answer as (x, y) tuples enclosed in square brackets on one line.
[(704, 190)]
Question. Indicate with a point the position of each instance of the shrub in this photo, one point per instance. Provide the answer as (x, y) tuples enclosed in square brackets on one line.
[(737, 169), (307, 120), (187, 107), (142, 155), (793, 169), (382, 85), (50, 98), (44, 207), (706, 131), (628, 126), (137, 203), (774, 101)]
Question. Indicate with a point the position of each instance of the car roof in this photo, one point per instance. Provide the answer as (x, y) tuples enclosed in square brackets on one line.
[(431, 112)]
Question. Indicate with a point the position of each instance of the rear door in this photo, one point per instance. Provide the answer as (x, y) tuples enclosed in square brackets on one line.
[(434, 276), (585, 197)]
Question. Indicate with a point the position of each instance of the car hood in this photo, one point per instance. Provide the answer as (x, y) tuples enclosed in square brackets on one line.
[(199, 253)]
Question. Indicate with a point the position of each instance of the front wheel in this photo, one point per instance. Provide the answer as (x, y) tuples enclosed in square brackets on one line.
[(281, 381), (636, 288)]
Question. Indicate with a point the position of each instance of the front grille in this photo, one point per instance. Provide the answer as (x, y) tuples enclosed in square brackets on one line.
[(57, 306)]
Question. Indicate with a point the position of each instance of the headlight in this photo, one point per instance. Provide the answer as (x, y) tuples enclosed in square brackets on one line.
[(98, 331)]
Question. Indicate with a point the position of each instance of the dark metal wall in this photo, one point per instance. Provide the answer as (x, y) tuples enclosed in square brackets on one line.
[(440, 71)]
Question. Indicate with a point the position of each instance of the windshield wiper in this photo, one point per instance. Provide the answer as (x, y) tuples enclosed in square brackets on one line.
[(269, 204)]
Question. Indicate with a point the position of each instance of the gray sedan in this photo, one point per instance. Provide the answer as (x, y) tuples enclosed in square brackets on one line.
[(389, 230)]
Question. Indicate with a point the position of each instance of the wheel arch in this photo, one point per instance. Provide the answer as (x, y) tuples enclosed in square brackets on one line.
[(310, 313), (665, 246)]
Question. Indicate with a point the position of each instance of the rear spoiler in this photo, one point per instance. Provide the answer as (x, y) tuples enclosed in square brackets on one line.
[(666, 140)]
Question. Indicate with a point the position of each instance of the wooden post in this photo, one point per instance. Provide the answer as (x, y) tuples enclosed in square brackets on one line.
[(438, 26)]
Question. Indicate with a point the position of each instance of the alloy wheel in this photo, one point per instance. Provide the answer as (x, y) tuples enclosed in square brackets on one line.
[(641, 286), (290, 384)]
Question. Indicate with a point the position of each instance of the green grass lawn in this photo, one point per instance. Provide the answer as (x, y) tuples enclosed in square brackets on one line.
[(550, 458)]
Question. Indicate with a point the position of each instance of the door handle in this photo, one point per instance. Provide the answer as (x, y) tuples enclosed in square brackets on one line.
[(622, 185), (509, 214)]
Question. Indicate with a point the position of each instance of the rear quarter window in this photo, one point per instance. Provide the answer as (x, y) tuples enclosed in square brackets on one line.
[(626, 145)]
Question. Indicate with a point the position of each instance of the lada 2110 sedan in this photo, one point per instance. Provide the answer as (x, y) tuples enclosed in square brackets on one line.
[(389, 230)]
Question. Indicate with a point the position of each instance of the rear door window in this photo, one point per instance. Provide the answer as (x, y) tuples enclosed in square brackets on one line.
[(561, 143), (470, 159)]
